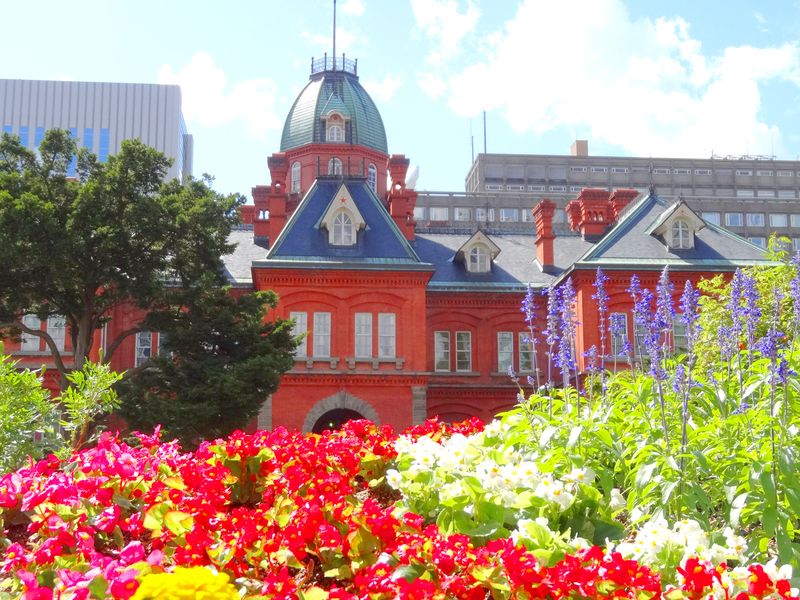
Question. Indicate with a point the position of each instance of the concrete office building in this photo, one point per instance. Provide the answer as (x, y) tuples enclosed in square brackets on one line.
[(99, 116), (751, 196)]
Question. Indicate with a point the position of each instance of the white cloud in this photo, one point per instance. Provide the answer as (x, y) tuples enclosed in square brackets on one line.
[(433, 85), (643, 85), (210, 101), (445, 24), (384, 89), (354, 8), (346, 40)]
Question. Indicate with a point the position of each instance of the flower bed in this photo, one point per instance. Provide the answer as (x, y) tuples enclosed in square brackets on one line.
[(287, 515)]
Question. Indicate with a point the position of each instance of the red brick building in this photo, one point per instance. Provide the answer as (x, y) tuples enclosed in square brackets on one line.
[(402, 324)]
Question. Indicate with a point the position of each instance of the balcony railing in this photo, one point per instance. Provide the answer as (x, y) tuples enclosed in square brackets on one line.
[(334, 63)]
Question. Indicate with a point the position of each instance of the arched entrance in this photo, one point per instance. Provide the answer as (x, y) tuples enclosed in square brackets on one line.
[(334, 419), (339, 408)]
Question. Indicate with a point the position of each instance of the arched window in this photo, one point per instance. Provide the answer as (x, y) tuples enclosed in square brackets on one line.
[(478, 260), (295, 177), (372, 177), (335, 133), (343, 234), (681, 235), (334, 166)]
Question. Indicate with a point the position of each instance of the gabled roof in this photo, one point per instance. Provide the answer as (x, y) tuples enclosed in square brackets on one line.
[(342, 200), (303, 243), (630, 245), (680, 210), (477, 238)]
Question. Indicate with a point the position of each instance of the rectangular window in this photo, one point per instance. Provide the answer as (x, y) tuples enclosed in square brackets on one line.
[(787, 194), (758, 241), (778, 220), (441, 350), (558, 188), (734, 220), (755, 219), (300, 328), (38, 136), (599, 169), (525, 352), (680, 343), (494, 187), (764, 173), (765, 193), (419, 213), (28, 342), (322, 334), (639, 332), (484, 214), (795, 220), (527, 215), (72, 169), (782, 173), (515, 188), (509, 215), (536, 188), (462, 214), (619, 169), (363, 335), (575, 188), (618, 332), (23, 135), (57, 328), (144, 347), (661, 171), (796, 244), (745, 194), (744, 172), (387, 335), (8, 129), (102, 153), (88, 138), (578, 169), (682, 171), (505, 351), (463, 351), (711, 217), (438, 213), (162, 344), (702, 171)]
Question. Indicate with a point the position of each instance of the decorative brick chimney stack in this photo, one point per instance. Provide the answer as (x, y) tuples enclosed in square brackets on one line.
[(619, 201), (401, 200), (590, 213), (270, 202), (543, 218)]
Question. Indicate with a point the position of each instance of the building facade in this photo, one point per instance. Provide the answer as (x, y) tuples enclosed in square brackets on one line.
[(99, 116), (752, 196)]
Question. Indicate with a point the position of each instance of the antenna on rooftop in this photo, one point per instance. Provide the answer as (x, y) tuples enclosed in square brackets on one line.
[(334, 35)]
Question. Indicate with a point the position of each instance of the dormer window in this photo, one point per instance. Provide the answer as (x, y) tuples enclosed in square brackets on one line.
[(334, 128), (343, 231), (478, 259), (681, 235)]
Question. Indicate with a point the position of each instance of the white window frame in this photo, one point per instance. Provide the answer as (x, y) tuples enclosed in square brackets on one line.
[(372, 177), (509, 215), (322, 335), (794, 220), (461, 213), (525, 352), (438, 213), (28, 342), (300, 328), (57, 329), (778, 220), (334, 132), (344, 233), (744, 172), (755, 219), (478, 259), (680, 342), (144, 347), (729, 219), (758, 240), (784, 173), (680, 235), (463, 351), (599, 169), (387, 335), (505, 351), (441, 351), (702, 171), (334, 166), (363, 335), (618, 340), (295, 177), (712, 217)]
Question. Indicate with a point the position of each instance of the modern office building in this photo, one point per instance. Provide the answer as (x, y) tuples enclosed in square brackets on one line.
[(99, 116), (752, 196)]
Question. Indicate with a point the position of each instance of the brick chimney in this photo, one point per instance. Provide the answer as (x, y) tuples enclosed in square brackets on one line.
[(619, 200), (401, 201), (270, 202), (590, 213), (543, 218)]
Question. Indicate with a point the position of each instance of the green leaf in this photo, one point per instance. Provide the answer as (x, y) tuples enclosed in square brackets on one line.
[(178, 522), (312, 593), (154, 518), (98, 587), (769, 519), (408, 572), (645, 474)]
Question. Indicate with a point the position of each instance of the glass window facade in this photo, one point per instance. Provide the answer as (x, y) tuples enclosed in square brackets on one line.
[(322, 334), (363, 333), (441, 350), (102, 151), (463, 351), (505, 351), (387, 335)]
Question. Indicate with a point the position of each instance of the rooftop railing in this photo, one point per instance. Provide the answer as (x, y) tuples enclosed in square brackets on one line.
[(334, 63)]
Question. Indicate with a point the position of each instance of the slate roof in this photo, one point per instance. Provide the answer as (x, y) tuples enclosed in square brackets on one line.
[(304, 244), (238, 263), (333, 90), (513, 269), (629, 245)]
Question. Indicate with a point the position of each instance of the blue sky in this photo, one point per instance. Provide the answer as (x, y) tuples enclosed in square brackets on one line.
[(635, 77)]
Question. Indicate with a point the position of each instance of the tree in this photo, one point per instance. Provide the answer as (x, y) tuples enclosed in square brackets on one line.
[(221, 361), (76, 247)]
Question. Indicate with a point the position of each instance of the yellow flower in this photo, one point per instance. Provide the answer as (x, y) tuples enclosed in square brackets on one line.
[(186, 583)]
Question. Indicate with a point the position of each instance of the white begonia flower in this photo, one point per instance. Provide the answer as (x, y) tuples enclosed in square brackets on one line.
[(553, 491), (617, 500), (451, 490), (394, 478), (403, 444), (783, 572), (492, 429), (488, 471), (577, 476)]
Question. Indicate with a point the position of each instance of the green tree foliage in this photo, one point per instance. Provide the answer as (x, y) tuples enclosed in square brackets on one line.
[(114, 233), (221, 361)]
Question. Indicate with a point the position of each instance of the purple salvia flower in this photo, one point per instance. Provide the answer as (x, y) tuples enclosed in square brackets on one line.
[(727, 342), (565, 359), (601, 296), (591, 359), (794, 290), (679, 380), (664, 309), (551, 332), (529, 309), (752, 312), (689, 315)]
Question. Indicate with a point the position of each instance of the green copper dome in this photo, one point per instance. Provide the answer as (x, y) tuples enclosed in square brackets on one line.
[(334, 90)]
